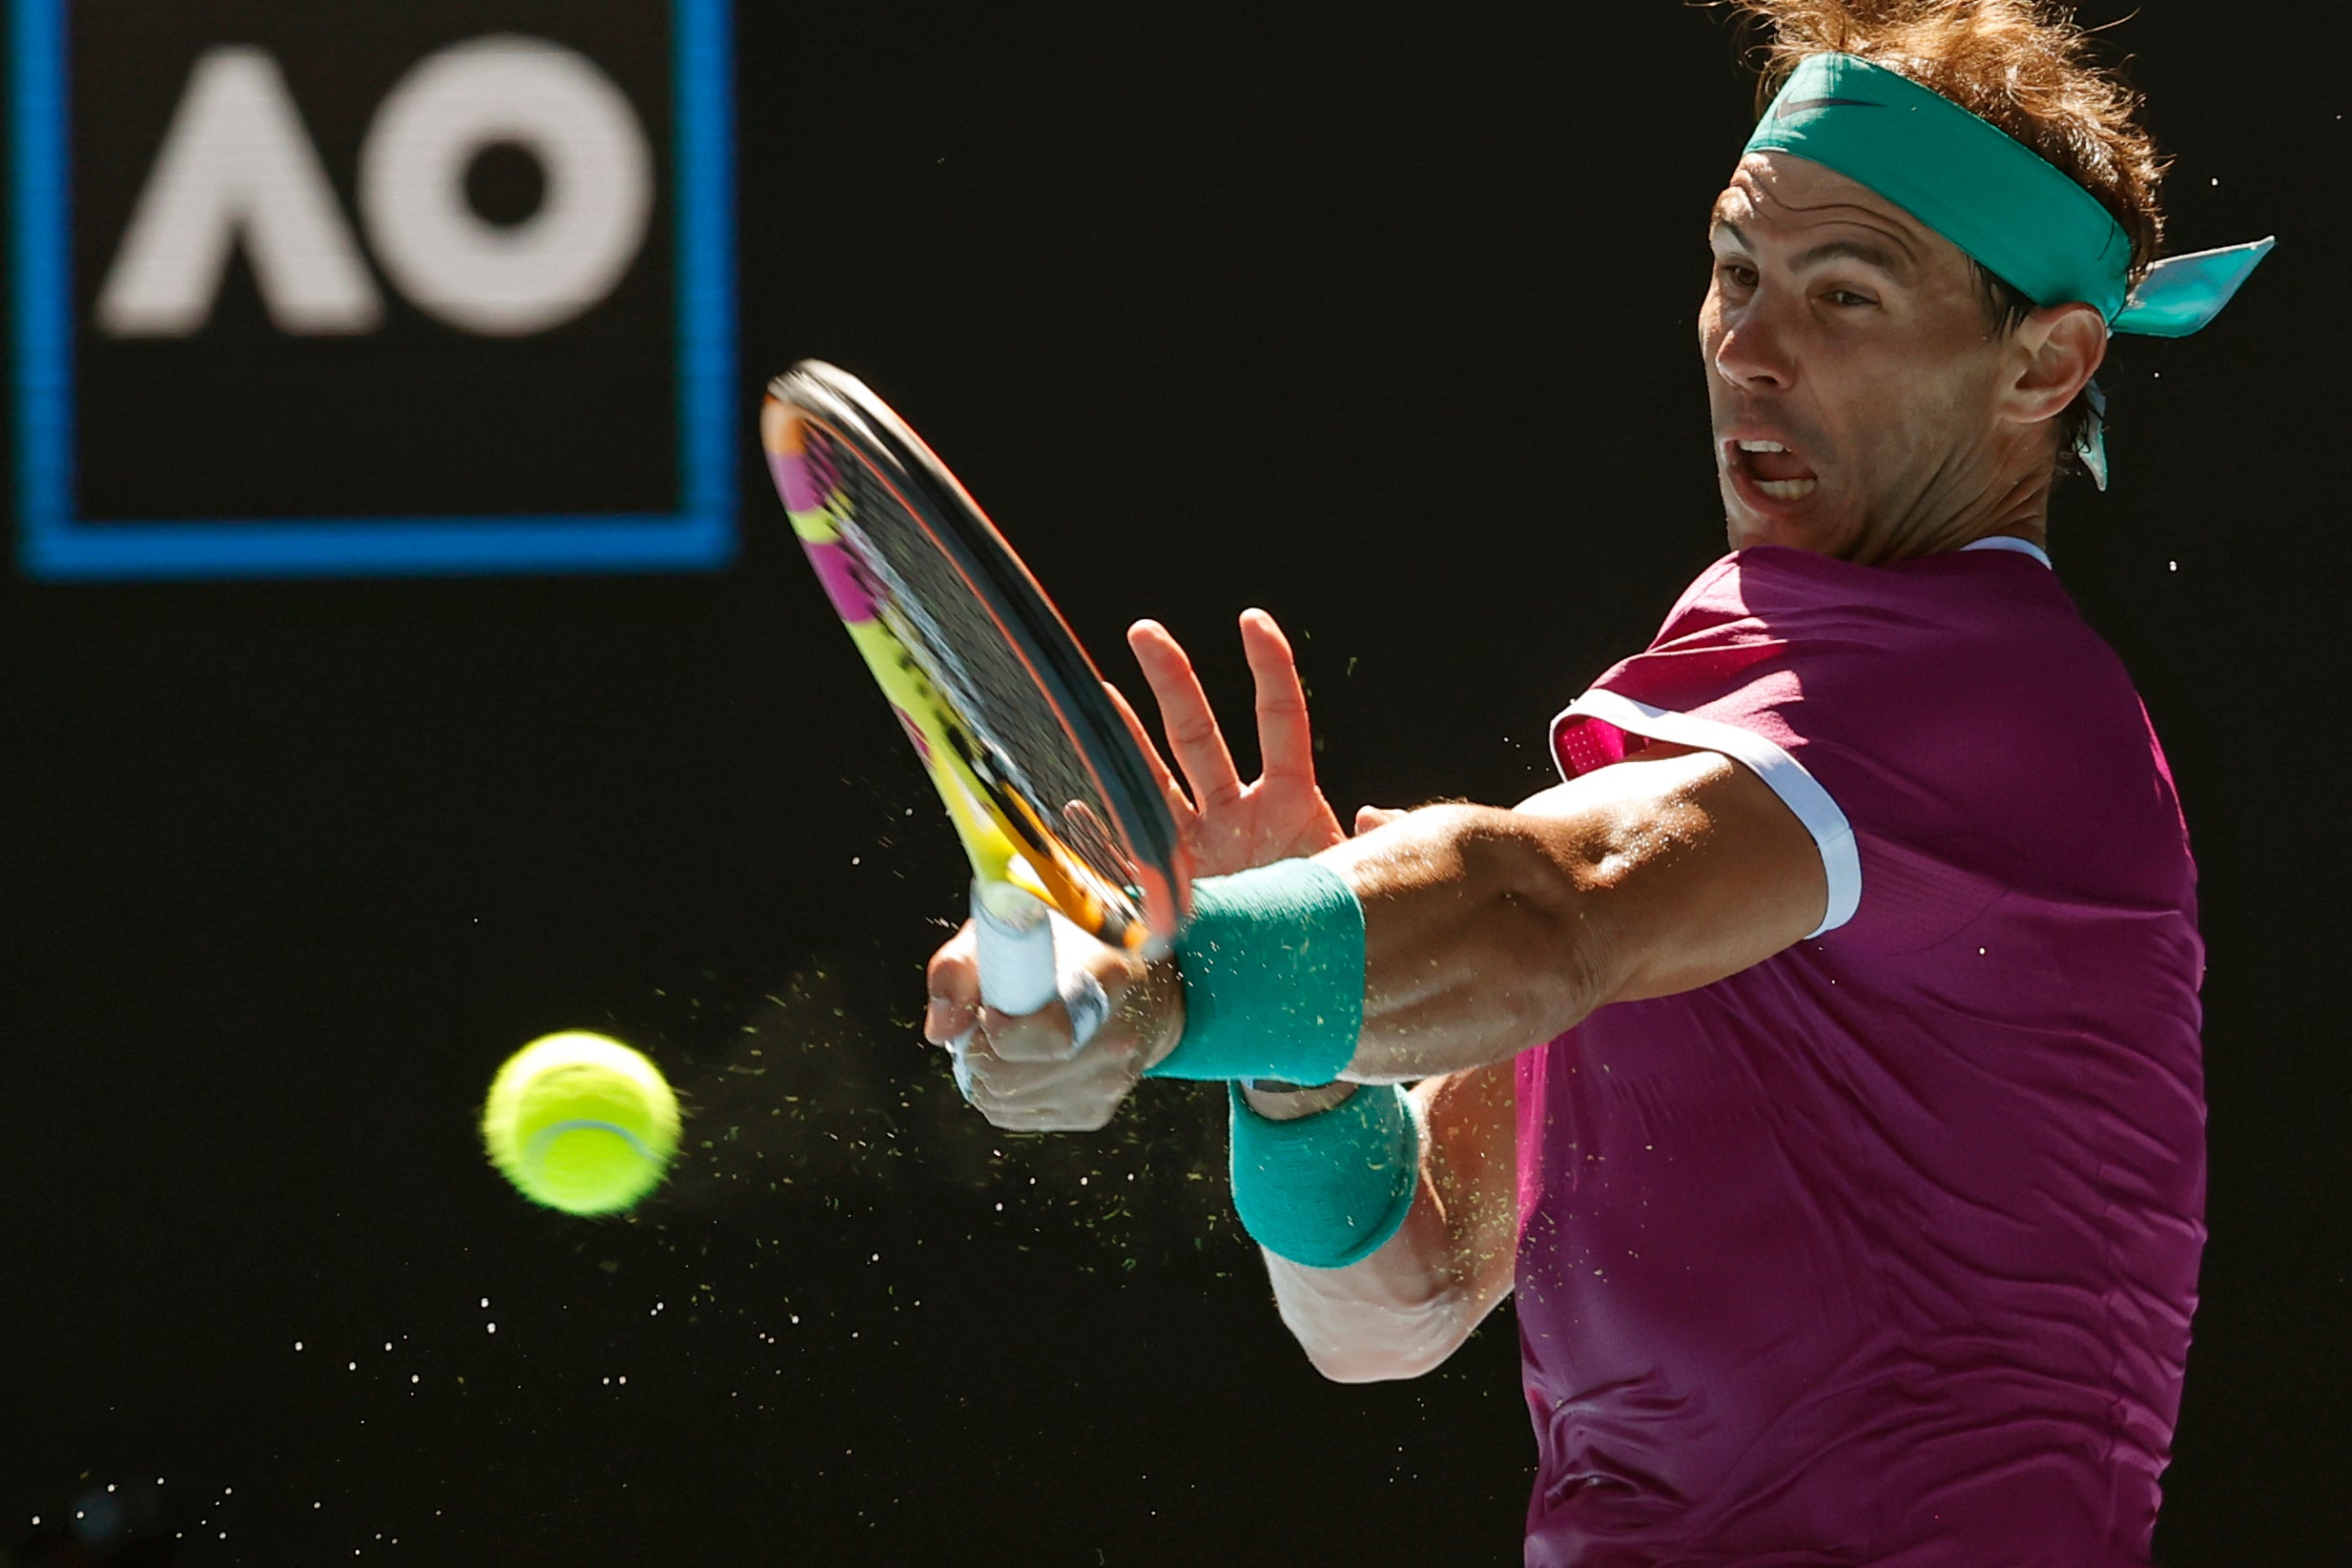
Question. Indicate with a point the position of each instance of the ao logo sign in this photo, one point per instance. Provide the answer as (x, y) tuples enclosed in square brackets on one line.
[(237, 164), (313, 324)]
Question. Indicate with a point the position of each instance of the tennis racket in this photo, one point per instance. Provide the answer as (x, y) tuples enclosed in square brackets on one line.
[(1054, 802)]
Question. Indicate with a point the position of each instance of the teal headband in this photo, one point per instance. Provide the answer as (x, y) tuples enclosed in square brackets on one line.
[(1995, 198)]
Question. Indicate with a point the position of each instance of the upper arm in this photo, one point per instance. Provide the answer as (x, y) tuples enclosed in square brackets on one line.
[(1683, 867)]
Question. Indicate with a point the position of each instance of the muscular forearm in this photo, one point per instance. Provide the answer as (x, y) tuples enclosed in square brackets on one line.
[(1488, 931), (1479, 938)]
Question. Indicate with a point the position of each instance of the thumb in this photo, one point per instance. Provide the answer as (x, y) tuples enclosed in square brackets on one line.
[(1369, 817)]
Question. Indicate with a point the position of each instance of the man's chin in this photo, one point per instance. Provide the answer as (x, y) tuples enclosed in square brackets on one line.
[(1801, 527), (1743, 526)]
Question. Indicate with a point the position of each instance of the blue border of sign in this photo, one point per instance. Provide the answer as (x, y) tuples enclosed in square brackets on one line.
[(700, 536)]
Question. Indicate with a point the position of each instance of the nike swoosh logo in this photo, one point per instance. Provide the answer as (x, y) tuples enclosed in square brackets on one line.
[(1798, 106)]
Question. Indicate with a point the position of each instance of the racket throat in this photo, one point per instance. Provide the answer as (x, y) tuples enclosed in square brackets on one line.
[(1017, 905)]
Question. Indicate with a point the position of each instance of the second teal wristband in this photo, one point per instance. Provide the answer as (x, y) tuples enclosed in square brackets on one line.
[(1272, 962), (1329, 1190)]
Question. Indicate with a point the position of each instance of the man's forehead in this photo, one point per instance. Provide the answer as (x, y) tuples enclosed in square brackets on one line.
[(1772, 190)]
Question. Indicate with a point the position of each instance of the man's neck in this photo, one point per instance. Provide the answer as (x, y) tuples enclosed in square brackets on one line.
[(2021, 512)]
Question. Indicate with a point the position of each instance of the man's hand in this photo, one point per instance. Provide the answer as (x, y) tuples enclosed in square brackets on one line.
[(1227, 825), (1023, 1073)]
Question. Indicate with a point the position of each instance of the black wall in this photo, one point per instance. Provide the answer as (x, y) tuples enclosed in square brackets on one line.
[(1384, 325)]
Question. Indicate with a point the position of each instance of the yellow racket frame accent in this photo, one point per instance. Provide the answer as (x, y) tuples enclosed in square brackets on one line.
[(1011, 849)]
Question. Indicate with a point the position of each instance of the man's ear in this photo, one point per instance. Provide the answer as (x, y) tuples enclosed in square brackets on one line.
[(2059, 348)]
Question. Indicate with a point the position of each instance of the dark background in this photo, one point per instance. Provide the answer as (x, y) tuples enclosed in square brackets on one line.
[(1387, 328)]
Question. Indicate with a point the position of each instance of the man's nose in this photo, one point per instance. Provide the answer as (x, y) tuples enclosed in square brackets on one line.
[(1754, 352)]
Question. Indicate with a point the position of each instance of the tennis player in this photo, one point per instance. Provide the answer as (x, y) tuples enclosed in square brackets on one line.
[(1818, 1064)]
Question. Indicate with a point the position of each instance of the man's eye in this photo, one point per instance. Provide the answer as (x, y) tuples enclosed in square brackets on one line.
[(1849, 298), (1735, 275)]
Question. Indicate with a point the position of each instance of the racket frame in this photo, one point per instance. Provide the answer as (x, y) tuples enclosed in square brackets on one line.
[(1021, 867)]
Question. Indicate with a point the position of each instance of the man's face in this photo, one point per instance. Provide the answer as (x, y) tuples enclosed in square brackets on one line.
[(1839, 328)]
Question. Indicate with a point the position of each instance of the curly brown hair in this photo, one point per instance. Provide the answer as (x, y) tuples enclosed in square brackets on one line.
[(2026, 65)]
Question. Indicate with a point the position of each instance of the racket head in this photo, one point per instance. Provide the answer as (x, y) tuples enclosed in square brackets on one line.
[(999, 699)]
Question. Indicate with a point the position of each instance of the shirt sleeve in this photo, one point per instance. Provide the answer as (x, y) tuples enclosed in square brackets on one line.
[(1743, 679), (1948, 730)]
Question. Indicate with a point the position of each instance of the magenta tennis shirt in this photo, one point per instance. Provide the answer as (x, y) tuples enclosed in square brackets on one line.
[(1884, 1251)]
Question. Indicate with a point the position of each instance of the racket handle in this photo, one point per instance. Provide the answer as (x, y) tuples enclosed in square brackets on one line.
[(1015, 956)]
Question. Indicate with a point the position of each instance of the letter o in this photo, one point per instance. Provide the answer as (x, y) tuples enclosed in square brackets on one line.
[(598, 174)]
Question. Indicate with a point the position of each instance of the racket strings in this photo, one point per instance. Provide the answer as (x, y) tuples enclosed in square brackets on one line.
[(1015, 744)]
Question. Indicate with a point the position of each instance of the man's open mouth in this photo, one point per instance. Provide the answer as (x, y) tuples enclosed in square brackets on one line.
[(1776, 472)]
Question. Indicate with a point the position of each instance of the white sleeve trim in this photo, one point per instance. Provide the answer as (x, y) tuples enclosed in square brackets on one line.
[(2007, 542), (1798, 790)]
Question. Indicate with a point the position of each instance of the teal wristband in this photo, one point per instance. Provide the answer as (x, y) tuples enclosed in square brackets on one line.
[(1328, 1189), (1272, 962)]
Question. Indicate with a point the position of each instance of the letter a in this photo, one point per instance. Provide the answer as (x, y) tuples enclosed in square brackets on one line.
[(237, 165)]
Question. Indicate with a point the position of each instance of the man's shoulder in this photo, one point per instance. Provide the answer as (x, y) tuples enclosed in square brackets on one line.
[(1765, 578), (1971, 666), (1990, 615)]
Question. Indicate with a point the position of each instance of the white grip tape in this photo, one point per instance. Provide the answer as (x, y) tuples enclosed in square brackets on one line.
[(1016, 958)]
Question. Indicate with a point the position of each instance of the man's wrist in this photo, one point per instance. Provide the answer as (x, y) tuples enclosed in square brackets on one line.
[(1154, 1009), (1271, 964), (1280, 1102)]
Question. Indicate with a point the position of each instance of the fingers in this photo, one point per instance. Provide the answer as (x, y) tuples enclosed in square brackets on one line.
[(1177, 802), (1026, 1074), (1286, 741), (1075, 1096), (1042, 1036), (1192, 732), (1062, 1028)]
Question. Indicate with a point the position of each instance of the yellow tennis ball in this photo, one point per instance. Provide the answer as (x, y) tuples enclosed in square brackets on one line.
[(581, 1122)]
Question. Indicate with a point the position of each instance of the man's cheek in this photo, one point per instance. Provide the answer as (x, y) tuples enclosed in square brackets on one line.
[(1711, 323)]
